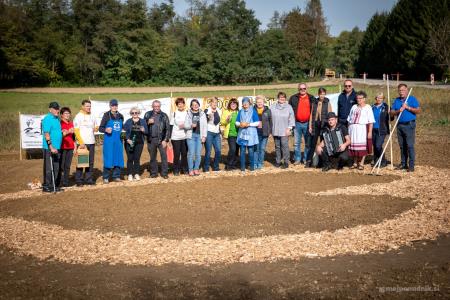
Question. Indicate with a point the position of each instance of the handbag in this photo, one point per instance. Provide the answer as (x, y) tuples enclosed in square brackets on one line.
[(169, 153), (82, 158)]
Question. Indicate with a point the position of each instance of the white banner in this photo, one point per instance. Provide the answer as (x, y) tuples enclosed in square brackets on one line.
[(98, 108), (30, 131)]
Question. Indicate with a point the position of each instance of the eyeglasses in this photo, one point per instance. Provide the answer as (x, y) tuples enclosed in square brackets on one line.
[(134, 113), (347, 86), (302, 89)]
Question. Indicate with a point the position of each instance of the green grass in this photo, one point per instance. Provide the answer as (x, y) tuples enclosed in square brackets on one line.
[(435, 104)]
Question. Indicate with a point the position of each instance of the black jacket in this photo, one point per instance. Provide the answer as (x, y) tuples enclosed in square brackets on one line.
[(293, 101), (266, 119), (108, 116), (345, 105), (323, 115), (384, 120), (164, 132)]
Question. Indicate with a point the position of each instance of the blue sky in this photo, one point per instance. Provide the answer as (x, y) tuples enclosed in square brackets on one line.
[(340, 14)]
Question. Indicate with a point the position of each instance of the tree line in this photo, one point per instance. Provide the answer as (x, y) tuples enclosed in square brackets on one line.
[(112, 42)]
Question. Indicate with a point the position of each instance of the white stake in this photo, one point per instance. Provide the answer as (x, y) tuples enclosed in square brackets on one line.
[(389, 103)]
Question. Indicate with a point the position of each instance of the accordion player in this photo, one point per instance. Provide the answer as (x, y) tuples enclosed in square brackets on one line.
[(333, 139)]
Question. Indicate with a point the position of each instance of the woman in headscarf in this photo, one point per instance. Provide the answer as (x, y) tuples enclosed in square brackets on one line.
[(247, 120), (283, 120)]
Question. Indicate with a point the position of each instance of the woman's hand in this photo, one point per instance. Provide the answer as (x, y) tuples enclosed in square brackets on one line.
[(310, 130), (203, 140), (288, 131)]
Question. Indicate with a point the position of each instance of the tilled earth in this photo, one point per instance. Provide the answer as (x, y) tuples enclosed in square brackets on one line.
[(216, 206)]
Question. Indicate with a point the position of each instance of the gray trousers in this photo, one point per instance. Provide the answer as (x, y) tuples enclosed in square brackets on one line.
[(281, 149), (48, 177), (153, 146)]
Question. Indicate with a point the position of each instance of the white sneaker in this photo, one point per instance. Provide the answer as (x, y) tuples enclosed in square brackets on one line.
[(130, 177), (137, 177)]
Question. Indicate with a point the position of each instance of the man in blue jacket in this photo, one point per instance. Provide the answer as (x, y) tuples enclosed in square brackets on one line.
[(345, 102)]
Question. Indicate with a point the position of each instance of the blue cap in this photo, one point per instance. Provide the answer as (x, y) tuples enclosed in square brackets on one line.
[(245, 99), (113, 102)]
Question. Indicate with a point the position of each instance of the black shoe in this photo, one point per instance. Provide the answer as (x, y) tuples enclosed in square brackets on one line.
[(401, 167), (410, 170), (153, 176), (326, 168), (47, 190), (176, 173), (90, 183), (116, 180), (79, 184), (285, 166), (165, 177), (308, 164), (277, 165)]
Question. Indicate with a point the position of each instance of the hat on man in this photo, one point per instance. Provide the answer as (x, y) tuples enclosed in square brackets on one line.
[(113, 102), (53, 105), (245, 99), (331, 114)]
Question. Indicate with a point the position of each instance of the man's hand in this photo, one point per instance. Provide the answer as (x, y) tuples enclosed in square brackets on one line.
[(142, 129), (53, 150), (164, 144), (82, 146), (129, 141), (342, 148), (310, 130), (151, 121), (108, 130), (194, 125), (404, 106), (181, 126)]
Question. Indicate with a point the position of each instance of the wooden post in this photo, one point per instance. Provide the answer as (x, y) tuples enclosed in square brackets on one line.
[(20, 140), (254, 92), (171, 95)]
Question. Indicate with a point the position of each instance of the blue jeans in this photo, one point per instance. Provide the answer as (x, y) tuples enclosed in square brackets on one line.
[(406, 134), (115, 172), (301, 129), (212, 140), (260, 151), (194, 151), (251, 156)]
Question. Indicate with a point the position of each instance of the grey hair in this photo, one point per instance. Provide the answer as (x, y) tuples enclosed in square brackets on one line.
[(136, 109)]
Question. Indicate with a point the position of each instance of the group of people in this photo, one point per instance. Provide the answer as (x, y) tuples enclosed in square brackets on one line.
[(339, 140)]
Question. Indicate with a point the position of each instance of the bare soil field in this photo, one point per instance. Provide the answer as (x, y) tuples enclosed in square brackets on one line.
[(273, 234)]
